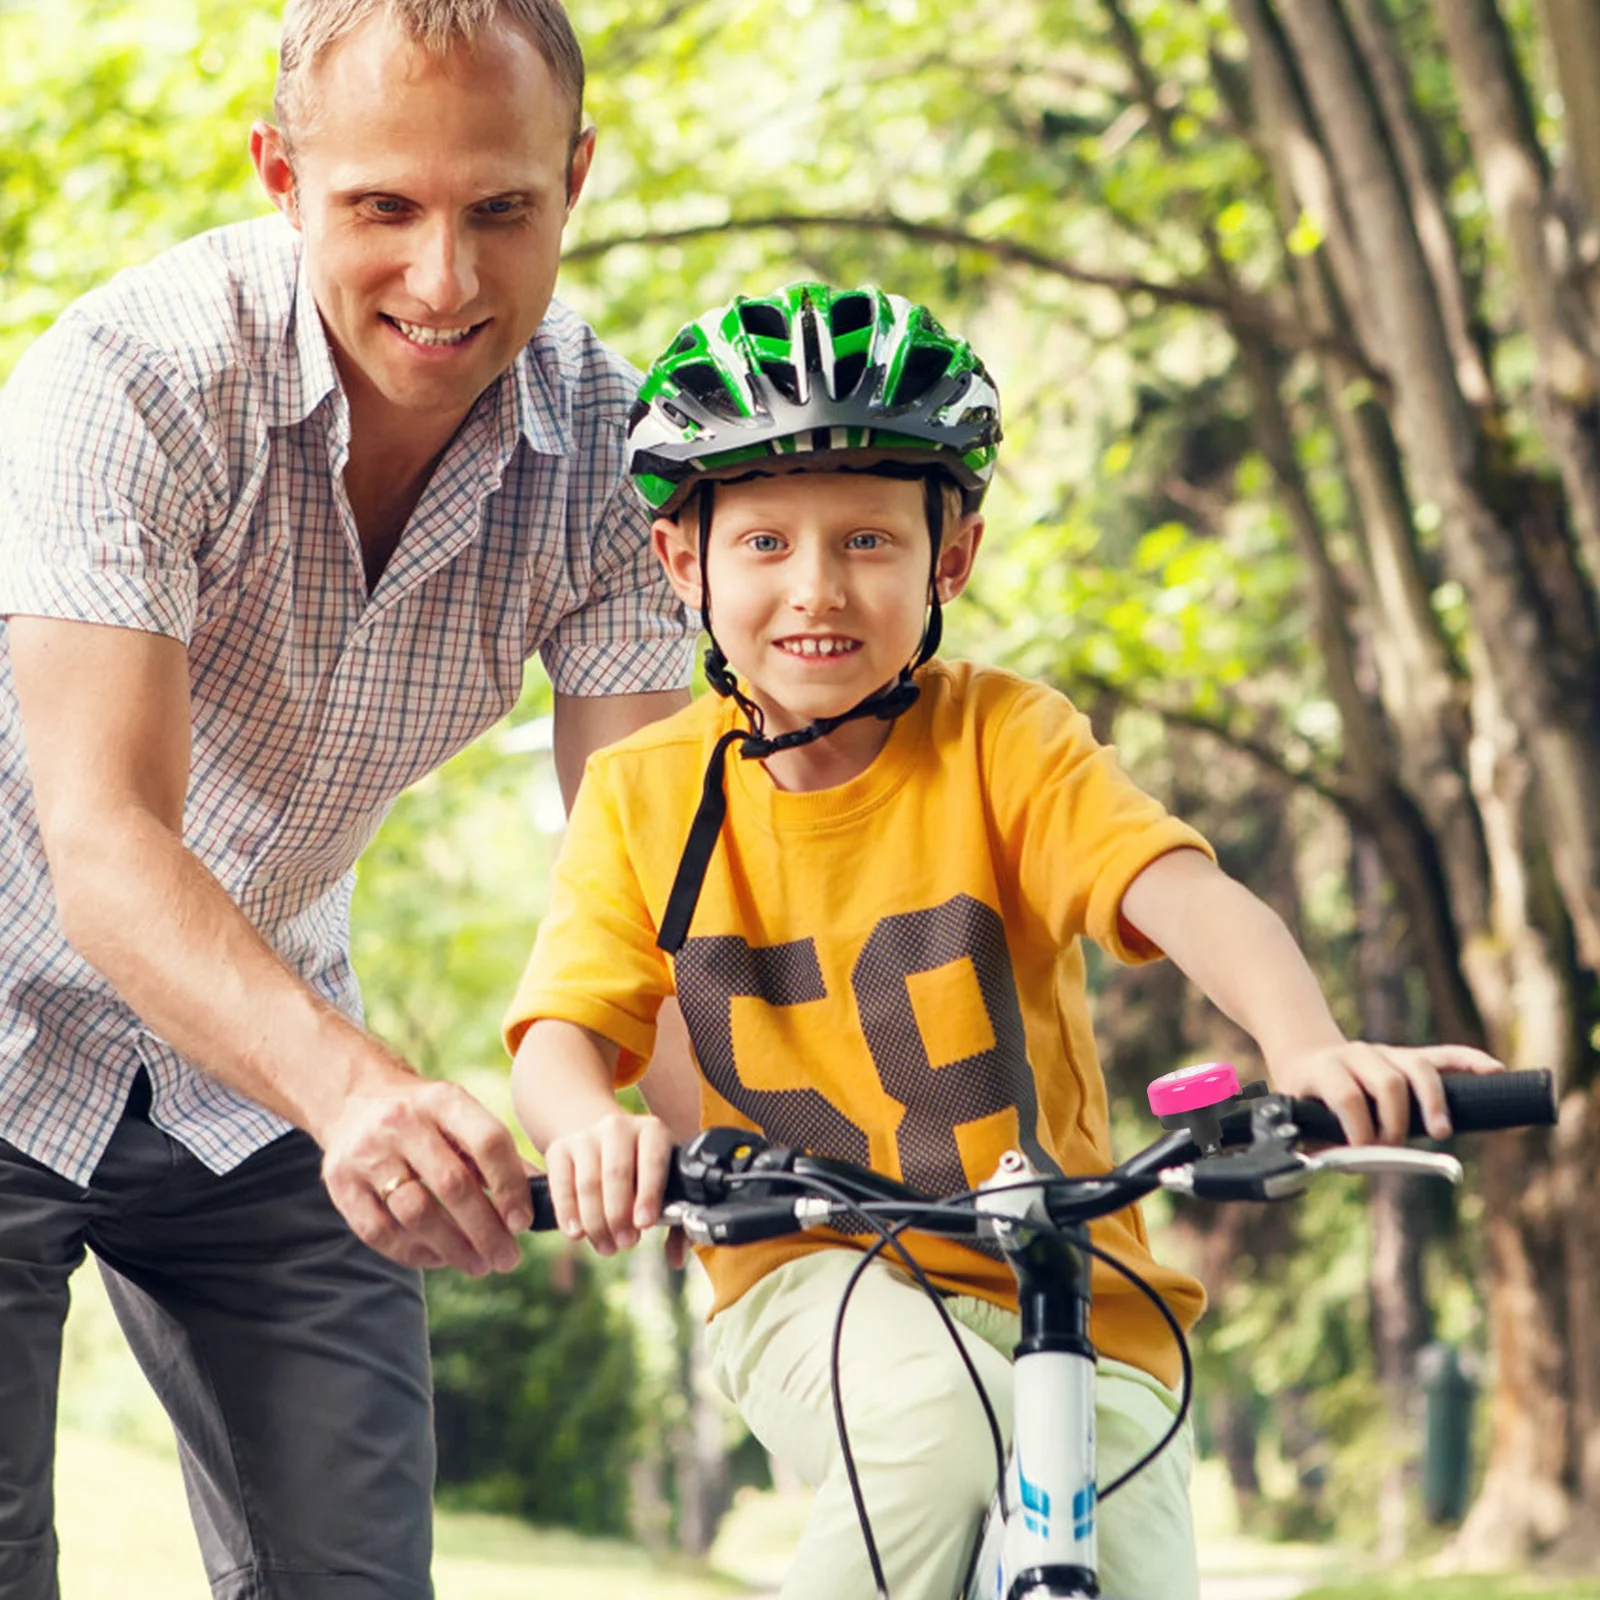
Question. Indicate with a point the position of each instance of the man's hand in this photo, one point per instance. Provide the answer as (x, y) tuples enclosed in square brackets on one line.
[(607, 1180), (1347, 1075), (425, 1175)]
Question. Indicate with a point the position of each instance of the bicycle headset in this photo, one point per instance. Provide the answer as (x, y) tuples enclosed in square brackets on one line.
[(807, 379)]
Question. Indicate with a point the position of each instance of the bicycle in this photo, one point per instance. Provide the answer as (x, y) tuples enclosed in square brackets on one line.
[(1222, 1142)]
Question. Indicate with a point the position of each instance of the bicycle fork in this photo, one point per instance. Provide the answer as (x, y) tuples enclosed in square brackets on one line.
[(1038, 1542)]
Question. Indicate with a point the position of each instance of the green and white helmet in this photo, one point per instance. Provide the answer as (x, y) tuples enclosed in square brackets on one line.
[(821, 377)]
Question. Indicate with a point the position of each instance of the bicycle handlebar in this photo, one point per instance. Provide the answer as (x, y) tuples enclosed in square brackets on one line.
[(1486, 1103), (700, 1170)]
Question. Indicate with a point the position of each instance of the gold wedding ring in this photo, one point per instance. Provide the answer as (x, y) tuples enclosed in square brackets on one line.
[(389, 1185)]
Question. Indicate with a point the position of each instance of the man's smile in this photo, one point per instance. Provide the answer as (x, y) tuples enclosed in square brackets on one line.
[(431, 338)]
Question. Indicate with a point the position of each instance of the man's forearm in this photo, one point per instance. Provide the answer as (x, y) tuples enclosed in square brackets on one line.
[(144, 912)]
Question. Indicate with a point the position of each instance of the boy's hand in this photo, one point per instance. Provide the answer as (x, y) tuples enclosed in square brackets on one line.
[(1345, 1076), (607, 1180)]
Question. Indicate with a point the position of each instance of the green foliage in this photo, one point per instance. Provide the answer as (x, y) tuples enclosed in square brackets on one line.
[(123, 126), (533, 1384), (1500, 1586), (449, 894)]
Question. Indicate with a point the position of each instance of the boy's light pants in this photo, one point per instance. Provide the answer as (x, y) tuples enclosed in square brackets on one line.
[(918, 1435)]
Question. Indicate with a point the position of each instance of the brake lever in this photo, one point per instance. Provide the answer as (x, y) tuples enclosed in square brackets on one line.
[(1386, 1158)]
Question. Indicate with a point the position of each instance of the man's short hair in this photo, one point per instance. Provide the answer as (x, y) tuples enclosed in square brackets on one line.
[(312, 27)]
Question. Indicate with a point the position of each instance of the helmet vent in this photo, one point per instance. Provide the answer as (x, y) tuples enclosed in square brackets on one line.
[(924, 367), (847, 373), (763, 321), (781, 375), (850, 313), (702, 380), (685, 342)]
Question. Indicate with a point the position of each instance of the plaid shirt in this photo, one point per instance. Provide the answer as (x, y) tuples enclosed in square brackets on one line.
[(170, 460)]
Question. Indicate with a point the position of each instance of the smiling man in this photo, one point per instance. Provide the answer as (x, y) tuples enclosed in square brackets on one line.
[(282, 515)]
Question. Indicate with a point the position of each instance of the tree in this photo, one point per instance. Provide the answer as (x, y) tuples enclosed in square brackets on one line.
[(1348, 214)]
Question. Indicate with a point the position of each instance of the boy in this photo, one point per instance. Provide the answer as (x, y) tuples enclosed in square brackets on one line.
[(874, 929)]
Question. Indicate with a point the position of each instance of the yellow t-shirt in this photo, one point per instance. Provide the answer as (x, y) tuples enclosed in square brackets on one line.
[(888, 971)]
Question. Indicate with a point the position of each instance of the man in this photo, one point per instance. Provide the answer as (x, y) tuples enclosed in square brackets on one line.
[(281, 516)]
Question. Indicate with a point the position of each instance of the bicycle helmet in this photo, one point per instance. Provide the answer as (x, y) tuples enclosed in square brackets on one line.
[(808, 379), (827, 374)]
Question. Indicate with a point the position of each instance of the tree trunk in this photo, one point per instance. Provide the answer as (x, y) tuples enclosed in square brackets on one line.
[(1545, 697), (1526, 1501), (1573, 27), (1543, 257), (1400, 1318), (1422, 170), (1426, 826)]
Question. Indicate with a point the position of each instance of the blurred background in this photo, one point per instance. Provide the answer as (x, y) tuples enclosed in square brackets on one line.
[(1293, 305)]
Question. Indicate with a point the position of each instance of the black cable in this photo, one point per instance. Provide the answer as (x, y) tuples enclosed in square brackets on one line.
[(888, 1237), (1186, 1385), (961, 1204), (957, 1204), (1185, 1357)]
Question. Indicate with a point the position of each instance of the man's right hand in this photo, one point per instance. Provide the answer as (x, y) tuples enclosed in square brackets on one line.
[(424, 1174), (607, 1179)]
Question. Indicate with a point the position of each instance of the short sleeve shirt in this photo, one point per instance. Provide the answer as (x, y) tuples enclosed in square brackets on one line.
[(171, 458), (889, 971)]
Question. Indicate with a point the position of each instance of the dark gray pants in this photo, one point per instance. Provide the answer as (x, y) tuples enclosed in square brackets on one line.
[(292, 1360)]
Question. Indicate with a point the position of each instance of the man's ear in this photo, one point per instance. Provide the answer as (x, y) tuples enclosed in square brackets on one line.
[(956, 555), (679, 554), (269, 155), (578, 167)]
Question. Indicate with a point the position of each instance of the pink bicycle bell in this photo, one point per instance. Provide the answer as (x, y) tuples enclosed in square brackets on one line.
[(1191, 1097)]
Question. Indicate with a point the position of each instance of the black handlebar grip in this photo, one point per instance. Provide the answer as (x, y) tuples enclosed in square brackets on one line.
[(1478, 1104), (544, 1212)]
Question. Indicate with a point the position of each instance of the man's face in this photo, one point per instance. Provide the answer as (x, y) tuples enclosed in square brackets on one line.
[(432, 192)]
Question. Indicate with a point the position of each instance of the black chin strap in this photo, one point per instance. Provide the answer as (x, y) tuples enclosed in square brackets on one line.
[(753, 742)]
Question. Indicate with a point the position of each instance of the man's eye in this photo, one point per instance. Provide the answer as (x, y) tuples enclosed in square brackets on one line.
[(497, 210), (386, 206)]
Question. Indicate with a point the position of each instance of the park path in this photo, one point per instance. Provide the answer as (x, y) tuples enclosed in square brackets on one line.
[(1255, 1585)]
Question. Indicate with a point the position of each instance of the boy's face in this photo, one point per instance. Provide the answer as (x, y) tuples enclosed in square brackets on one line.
[(819, 584)]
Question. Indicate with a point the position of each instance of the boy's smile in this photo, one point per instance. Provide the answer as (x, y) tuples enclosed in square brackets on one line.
[(819, 588)]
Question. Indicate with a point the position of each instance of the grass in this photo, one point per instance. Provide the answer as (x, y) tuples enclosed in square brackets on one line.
[(124, 1524), (125, 1528), (125, 1531), (1462, 1587)]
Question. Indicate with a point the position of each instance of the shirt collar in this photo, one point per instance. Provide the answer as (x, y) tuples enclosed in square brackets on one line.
[(305, 374), (543, 399)]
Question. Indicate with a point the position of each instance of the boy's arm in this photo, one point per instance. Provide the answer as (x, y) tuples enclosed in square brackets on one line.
[(1240, 954), (607, 1168)]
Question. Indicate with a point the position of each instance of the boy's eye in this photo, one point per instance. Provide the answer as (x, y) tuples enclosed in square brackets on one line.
[(865, 540), (765, 543)]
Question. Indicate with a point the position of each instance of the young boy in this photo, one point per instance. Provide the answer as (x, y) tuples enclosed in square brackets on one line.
[(874, 930)]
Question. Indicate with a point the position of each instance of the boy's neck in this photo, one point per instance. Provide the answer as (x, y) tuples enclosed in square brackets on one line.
[(836, 758)]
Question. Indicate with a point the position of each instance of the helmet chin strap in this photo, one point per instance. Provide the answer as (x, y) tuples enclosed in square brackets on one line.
[(754, 743)]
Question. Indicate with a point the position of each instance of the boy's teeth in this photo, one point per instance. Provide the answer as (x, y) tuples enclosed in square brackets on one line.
[(420, 335), (819, 647)]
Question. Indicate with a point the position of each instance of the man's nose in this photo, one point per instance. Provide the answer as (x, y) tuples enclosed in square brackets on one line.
[(443, 272)]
